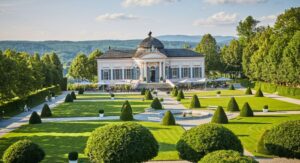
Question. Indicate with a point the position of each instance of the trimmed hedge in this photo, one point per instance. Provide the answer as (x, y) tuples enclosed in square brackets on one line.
[(148, 95), (260, 148), (125, 142), (180, 94), (126, 112), (32, 100), (73, 95), (246, 111), (46, 111), (143, 91), (168, 119), (232, 105), (228, 156), (35, 118), (248, 91), (231, 87), (219, 116), (259, 93), (195, 103), (201, 140), (282, 90), (156, 104), (68, 98), (174, 92), (283, 140), (23, 151)]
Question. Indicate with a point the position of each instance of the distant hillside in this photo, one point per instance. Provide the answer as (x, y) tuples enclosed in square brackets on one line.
[(66, 50)]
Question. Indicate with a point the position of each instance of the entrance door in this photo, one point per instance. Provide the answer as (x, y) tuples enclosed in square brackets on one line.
[(152, 74)]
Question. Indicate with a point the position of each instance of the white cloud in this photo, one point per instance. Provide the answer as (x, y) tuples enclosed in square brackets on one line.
[(235, 1), (116, 16), (267, 20), (128, 3), (220, 18)]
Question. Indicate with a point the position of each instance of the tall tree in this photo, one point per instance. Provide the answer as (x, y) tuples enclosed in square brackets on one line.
[(48, 70), (93, 63), (36, 66), (79, 68), (246, 29)]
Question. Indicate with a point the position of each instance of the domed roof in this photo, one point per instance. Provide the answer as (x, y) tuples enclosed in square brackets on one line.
[(151, 41)]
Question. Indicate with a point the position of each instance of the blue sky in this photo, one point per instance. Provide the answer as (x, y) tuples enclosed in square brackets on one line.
[(129, 19)]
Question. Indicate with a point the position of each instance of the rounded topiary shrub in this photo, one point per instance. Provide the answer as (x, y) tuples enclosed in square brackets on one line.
[(260, 148), (195, 103), (68, 98), (168, 119), (23, 151), (35, 118), (246, 111), (228, 156), (174, 92), (156, 104), (126, 112), (125, 142), (259, 93), (248, 91), (46, 112), (180, 94), (219, 116), (80, 91), (73, 95), (148, 95), (283, 140), (231, 87), (232, 105), (143, 91), (201, 140)]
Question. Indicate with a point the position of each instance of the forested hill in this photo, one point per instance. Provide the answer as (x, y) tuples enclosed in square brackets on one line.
[(66, 50)]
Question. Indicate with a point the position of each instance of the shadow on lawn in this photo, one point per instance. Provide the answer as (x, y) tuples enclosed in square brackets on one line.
[(165, 147), (247, 123)]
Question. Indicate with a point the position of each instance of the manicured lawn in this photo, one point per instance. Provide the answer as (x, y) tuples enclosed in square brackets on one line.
[(57, 139), (91, 109), (256, 103), (107, 96), (213, 93), (250, 129)]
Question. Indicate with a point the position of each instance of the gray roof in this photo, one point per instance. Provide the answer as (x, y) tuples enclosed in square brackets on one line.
[(181, 53), (151, 41), (113, 53)]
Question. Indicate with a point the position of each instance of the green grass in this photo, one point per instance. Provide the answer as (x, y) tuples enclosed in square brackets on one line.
[(59, 138), (214, 93), (250, 129), (90, 109), (256, 103), (107, 96)]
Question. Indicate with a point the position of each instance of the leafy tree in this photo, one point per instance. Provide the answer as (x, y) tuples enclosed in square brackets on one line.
[(247, 28), (58, 68), (79, 68), (288, 22), (36, 66), (93, 62)]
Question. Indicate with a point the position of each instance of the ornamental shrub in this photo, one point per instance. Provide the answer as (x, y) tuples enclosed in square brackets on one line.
[(73, 95), (168, 119), (73, 156), (35, 118), (23, 151), (228, 156), (126, 112), (180, 94), (261, 146), (143, 91), (174, 91), (219, 116), (161, 99), (259, 93), (68, 98), (248, 91), (232, 105), (246, 111), (148, 95), (46, 112), (231, 87), (123, 142), (156, 104), (178, 98), (195, 103), (283, 140), (206, 138), (80, 91)]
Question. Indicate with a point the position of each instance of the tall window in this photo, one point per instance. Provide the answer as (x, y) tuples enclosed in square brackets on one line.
[(197, 72), (117, 74), (186, 72), (175, 73), (106, 74), (128, 73)]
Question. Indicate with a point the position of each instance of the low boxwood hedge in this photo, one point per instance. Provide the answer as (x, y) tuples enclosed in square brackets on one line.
[(226, 156)]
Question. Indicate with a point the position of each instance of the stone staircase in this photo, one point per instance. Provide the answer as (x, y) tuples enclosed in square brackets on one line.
[(158, 86)]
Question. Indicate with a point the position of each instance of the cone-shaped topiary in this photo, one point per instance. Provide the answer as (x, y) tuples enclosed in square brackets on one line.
[(248, 91), (148, 95), (231, 87), (260, 148), (24, 151), (73, 95), (35, 118), (178, 98), (228, 156), (68, 98), (232, 105), (46, 112), (259, 93), (126, 112), (156, 104), (174, 91), (195, 103), (143, 91), (181, 94), (246, 111), (80, 91), (168, 119), (219, 116)]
